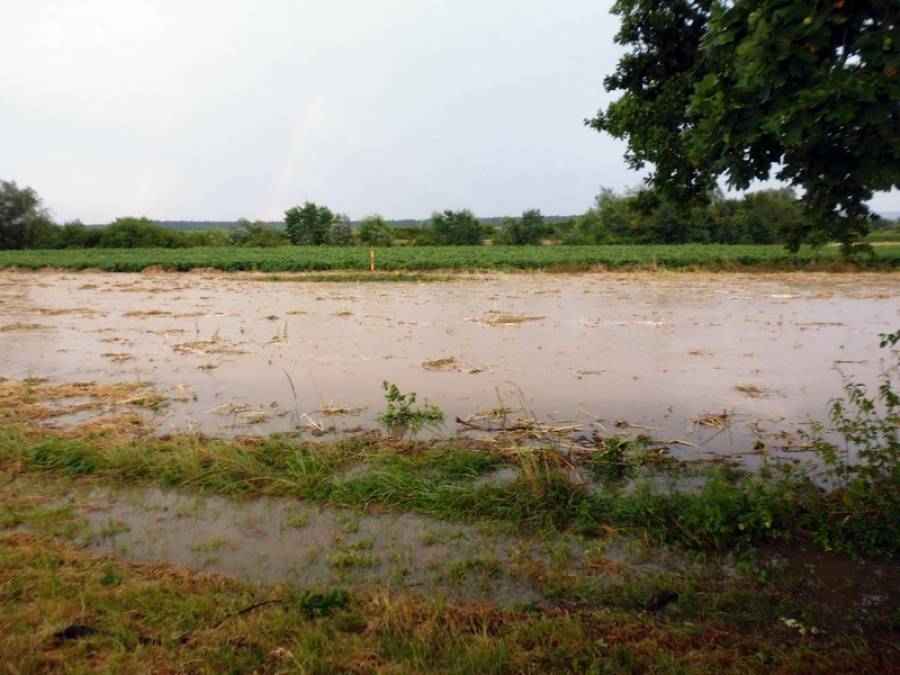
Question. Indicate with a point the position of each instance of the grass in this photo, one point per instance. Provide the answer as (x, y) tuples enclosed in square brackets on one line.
[(134, 618), (422, 258), (733, 510), (62, 610)]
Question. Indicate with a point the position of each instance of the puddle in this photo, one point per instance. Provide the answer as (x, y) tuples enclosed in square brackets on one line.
[(280, 540), (865, 586), (604, 353)]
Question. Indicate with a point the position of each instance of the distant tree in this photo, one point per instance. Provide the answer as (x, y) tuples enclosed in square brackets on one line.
[(73, 235), (23, 221), (132, 232), (374, 231), (746, 88), (612, 220), (527, 230), (341, 233), (454, 228), (309, 224), (647, 217), (214, 236), (256, 234), (772, 215)]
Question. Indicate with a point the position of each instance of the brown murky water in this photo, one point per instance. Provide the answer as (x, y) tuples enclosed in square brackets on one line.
[(599, 351), (282, 540)]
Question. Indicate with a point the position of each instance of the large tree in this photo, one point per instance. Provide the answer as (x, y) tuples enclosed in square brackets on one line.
[(809, 92), (309, 224), (23, 221)]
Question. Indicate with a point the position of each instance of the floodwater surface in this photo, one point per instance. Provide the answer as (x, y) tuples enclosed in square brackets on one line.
[(601, 352)]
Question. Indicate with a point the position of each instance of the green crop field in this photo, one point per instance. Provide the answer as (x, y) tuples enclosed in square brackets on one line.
[(303, 258)]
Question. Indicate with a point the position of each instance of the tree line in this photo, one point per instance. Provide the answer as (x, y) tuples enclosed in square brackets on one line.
[(642, 216)]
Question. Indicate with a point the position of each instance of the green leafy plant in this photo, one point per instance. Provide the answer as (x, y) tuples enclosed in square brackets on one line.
[(400, 410), (863, 513), (324, 604)]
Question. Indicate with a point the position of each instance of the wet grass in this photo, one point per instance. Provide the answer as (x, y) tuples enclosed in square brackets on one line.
[(733, 509), (698, 620), (728, 608), (421, 258), (61, 609)]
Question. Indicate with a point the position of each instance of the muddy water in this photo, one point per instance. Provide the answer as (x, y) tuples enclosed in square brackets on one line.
[(280, 540), (603, 351)]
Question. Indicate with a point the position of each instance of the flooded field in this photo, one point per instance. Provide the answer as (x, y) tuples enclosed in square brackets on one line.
[(712, 360)]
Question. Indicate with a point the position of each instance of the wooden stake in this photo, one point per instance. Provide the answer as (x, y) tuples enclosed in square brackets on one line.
[(371, 258)]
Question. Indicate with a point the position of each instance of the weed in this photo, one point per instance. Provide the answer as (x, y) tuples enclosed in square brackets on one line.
[(863, 513), (346, 559), (400, 410), (323, 604)]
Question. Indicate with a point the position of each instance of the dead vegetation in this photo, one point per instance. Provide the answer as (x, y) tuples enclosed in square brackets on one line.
[(720, 420), (752, 390), (154, 313), (97, 407), (20, 326), (118, 357), (447, 363), (247, 414), (208, 347), (499, 318), (331, 410)]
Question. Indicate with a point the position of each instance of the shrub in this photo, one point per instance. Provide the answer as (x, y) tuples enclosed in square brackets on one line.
[(139, 233)]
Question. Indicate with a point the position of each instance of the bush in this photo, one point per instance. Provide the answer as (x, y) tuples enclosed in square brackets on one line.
[(139, 233), (863, 514)]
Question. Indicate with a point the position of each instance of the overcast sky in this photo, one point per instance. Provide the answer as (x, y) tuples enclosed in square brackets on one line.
[(220, 109)]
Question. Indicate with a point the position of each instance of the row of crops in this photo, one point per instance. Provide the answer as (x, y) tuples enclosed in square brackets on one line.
[(311, 258)]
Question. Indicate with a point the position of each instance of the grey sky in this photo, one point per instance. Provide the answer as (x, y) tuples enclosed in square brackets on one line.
[(217, 109)]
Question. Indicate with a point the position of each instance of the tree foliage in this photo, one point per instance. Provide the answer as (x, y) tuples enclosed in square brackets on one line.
[(23, 220), (647, 217), (341, 233), (374, 231), (255, 233), (132, 232), (658, 78), (527, 230), (309, 224), (744, 89), (454, 228)]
